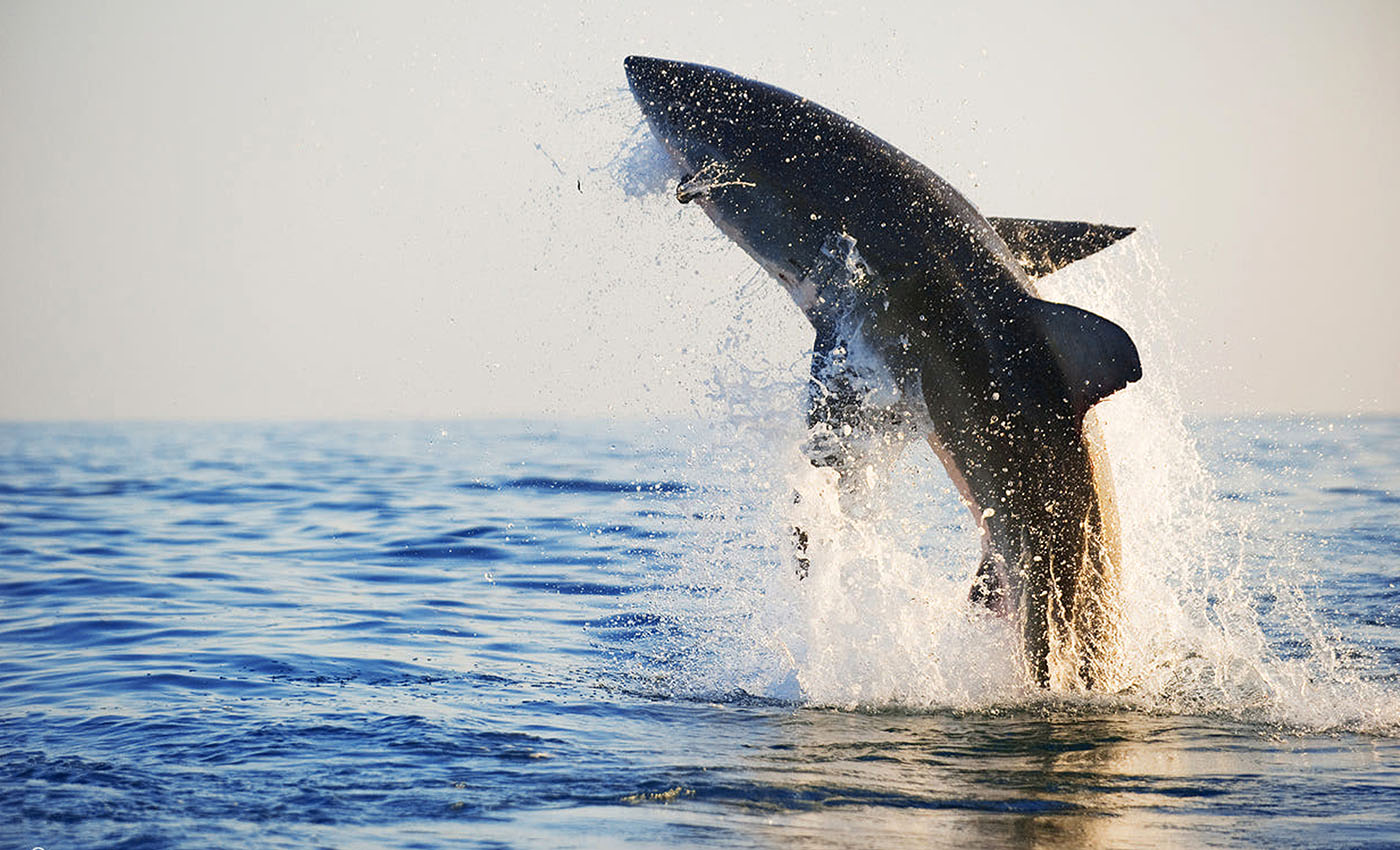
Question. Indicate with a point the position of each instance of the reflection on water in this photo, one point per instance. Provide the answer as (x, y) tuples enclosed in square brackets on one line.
[(1053, 778), (1059, 779)]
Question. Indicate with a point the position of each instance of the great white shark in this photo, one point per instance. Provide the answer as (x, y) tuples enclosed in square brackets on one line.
[(927, 322)]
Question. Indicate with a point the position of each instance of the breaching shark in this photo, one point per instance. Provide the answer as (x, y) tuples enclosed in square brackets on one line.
[(927, 322)]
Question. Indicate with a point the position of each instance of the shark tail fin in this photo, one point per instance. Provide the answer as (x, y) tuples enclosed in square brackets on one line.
[(1043, 246)]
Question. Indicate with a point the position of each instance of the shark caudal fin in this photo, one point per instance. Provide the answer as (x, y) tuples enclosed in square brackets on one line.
[(1096, 357), (1043, 246)]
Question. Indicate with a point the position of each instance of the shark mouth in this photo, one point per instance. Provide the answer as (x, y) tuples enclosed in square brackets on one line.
[(713, 175)]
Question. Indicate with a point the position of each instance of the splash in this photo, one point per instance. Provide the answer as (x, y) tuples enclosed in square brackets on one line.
[(880, 621), (641, 167), (1196, 570)]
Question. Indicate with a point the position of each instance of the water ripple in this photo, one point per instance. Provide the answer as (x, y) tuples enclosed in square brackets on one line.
[(402, 636)]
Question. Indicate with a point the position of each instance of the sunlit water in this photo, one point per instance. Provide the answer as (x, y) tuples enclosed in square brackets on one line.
[(522, 634)]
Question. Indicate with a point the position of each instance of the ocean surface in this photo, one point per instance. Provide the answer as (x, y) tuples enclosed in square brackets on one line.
[(528, 634)]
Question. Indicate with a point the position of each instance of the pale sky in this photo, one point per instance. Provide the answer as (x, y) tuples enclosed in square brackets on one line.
[(327, 210)]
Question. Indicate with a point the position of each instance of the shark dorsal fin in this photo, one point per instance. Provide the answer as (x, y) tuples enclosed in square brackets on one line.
[(1043, 246), (1096, 357)]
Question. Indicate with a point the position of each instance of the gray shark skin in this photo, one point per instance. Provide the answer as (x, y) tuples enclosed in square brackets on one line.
[(927, 322)]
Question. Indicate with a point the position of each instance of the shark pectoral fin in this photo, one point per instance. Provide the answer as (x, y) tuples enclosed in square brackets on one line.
[(989, 586), (834, 404), (1042, 246), (1096, 357)]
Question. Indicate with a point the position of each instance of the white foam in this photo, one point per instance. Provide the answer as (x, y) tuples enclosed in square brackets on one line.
[(882, 619), (642, 167)]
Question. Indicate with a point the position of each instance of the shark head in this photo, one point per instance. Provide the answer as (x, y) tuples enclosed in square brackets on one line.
[(765, 164), (709, 118)]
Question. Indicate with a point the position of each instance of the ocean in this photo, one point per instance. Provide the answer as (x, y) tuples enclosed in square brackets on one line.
[(591, 634)]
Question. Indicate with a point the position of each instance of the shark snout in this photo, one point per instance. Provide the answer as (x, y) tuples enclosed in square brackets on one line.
[(650, 77), (665, 86), (640, 66), (674, 98)]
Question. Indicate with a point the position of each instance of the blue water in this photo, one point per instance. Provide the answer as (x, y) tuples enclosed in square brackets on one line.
[(519, 634)]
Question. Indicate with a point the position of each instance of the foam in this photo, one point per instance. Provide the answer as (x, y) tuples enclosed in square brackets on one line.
[(881, 622)]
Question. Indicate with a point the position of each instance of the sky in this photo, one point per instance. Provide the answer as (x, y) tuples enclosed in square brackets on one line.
[(433, 210)]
